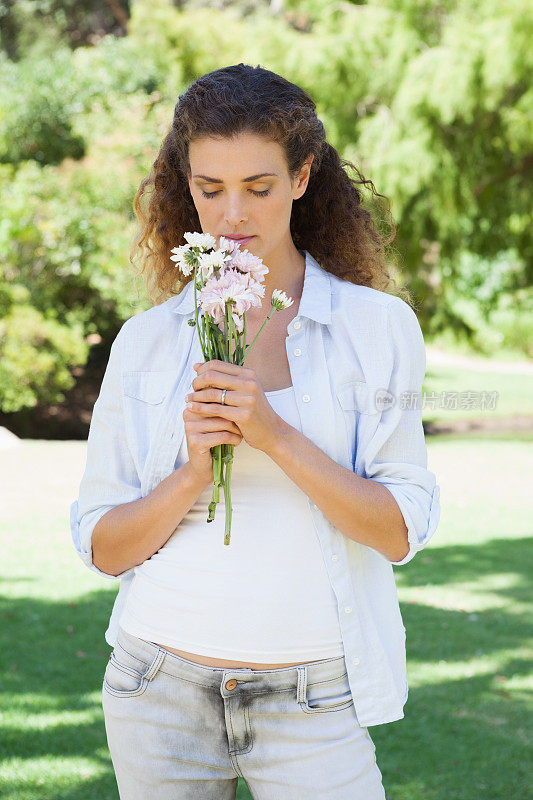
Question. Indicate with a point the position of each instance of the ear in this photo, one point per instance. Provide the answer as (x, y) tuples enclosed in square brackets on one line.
[(303, 179)]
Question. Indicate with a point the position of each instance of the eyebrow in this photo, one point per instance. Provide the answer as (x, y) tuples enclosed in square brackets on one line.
[(244, 180)]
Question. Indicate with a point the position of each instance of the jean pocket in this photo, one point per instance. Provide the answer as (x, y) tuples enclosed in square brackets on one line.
[(128, 675), (332, 694)]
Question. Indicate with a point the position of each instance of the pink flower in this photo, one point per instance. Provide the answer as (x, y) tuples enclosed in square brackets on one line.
[(229, 245), (247, 262), (231, 285)]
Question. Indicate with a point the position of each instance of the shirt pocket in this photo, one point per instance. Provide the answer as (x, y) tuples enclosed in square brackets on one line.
[(357, 400), (149, 387), (146, 398)]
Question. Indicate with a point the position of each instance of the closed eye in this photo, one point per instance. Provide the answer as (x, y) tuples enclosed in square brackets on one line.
[(257, 194)]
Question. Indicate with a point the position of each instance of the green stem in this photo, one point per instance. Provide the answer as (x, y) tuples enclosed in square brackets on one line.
[(219, 451), (226, 346), (249, 347), (216, 453), (231, 336), (201, 337), (227, 492), (209, 343), (227, 458), (241, 338)]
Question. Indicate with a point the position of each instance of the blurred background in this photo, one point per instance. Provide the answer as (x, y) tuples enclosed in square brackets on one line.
[(433, 101)]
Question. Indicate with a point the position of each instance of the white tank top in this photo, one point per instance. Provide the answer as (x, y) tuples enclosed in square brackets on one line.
[(266, 597)]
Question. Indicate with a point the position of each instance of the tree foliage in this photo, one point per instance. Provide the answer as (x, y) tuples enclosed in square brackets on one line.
[(433, 100)]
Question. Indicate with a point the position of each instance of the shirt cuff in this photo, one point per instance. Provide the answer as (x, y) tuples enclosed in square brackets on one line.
[(85, 553), (408, 510)]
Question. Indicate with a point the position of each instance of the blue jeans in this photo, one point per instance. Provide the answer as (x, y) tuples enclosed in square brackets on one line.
[(178, 730)]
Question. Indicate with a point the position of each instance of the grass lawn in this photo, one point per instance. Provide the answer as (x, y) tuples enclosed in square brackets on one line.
[(453, 393), (464, 599)]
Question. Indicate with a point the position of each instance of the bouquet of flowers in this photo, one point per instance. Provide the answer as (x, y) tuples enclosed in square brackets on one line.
[(227, 282)]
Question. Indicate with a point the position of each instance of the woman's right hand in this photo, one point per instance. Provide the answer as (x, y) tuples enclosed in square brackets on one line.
[(202, 433)]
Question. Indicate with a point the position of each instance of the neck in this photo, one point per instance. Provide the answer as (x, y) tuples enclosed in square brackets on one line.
[(286, 271)]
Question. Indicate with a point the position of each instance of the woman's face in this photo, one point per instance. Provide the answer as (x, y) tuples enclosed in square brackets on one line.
[(232, 194)]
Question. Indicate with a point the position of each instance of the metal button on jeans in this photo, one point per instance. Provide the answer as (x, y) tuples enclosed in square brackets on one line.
[(231, 684)]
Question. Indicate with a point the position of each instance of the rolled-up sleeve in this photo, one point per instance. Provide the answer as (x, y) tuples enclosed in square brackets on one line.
[(110, 477), (396, 454)]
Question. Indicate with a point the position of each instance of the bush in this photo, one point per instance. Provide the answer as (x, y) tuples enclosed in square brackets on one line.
[(35, 352)]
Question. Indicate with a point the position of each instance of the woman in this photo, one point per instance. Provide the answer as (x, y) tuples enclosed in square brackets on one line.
[(270, 657)]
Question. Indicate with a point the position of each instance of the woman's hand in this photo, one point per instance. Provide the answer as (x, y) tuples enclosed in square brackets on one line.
[(245, 405), (204, 432)]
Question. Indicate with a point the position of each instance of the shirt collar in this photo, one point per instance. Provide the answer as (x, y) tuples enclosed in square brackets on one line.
[(315, 302)]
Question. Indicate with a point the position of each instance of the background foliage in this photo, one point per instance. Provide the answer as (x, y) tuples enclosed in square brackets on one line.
[(430, 99)]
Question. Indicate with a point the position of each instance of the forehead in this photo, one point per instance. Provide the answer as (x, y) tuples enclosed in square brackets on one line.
[(236, 157)]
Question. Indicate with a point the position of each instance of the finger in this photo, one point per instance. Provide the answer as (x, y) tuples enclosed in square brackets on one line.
[(222, 437), (213, 394), (220, 424), (209, 424), (216, 409), (221, 380), (225, 367), (190, 415), (247, 395)]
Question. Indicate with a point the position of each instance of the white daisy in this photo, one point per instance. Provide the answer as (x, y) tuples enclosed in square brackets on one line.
[(280, 300), (202, 240), (183, 258)]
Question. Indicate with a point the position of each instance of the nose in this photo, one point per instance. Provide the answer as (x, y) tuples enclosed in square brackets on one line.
[(235, 215), (234, 221)]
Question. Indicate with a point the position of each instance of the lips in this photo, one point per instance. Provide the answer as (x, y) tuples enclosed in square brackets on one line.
[(238, 238)]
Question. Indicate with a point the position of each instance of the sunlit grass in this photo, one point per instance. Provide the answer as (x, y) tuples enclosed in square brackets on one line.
[(514, 394), (465, 601)]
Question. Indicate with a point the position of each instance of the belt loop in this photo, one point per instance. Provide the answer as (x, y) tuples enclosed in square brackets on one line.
[(302, 683), (156, 663)]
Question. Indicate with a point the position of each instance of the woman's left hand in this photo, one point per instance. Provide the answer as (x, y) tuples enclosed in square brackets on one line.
[(245, 403)]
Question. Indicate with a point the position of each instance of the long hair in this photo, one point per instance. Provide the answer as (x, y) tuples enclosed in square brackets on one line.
[(328, 220)]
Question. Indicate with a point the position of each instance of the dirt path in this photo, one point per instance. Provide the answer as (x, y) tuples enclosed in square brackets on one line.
[(443, 358), (501, 425)]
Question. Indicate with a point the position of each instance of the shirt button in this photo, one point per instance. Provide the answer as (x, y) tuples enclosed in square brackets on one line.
[(231, 684), (355, 661), (297, 352), (334, 558), (306, 398), (348, 610), (297, 326)]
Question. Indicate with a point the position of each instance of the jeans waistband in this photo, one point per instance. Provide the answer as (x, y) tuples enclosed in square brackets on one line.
[(274, 679)]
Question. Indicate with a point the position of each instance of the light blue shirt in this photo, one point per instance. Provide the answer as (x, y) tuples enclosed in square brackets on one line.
[(357, 362)]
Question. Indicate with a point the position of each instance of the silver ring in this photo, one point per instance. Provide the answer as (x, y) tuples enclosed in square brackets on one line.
[(223, 401)]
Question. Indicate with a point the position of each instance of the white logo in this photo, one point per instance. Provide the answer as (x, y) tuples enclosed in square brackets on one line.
[(383, 399)]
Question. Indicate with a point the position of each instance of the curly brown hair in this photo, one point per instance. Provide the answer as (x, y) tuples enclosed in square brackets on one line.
[(328, 220)]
